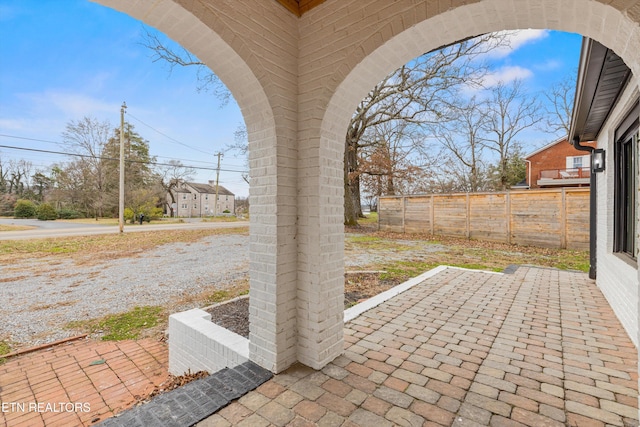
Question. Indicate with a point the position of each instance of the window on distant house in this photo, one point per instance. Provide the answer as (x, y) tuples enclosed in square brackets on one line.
[(195, 206), (184, 197), (625, 152), (195, 196), (577, 162)]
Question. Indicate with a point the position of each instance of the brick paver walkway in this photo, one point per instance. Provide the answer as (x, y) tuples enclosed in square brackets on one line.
[(539, 347), (79, 383)]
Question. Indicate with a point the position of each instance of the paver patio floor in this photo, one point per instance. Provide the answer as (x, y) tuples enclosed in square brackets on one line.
[(79, 383), (539, 347)]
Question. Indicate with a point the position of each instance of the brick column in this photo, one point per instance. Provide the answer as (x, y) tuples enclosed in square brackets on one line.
[(320, 292), (273, 252)]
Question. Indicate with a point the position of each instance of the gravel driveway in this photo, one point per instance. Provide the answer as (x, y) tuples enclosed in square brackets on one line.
[(40, 296)]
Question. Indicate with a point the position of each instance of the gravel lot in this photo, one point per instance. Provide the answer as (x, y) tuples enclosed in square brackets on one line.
[(40, 296)]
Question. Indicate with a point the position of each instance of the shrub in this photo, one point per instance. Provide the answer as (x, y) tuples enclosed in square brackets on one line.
[(155, 213), (46, 212), (25, 209), (128, 214), (226, 211), (69, 214)]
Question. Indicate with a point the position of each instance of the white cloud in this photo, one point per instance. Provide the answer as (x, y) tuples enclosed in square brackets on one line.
[(517, 39), (549, 65), (73, 105), (506, 74)]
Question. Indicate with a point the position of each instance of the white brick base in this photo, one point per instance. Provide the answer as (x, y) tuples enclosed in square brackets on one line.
[(197, 344)]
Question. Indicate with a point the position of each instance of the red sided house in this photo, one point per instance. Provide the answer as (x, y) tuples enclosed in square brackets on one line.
[(558, 164)]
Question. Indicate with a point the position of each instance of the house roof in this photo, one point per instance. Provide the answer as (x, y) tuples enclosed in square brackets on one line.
[(602, 77), (209, 189), (546, 147)]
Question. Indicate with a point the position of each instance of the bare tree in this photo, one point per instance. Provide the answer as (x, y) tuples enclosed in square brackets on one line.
[(170, 178), (418, 92), (388, 165), (88, 138), (207, 80), (463, 139), (560, 108), (509, 112), (16, 176)]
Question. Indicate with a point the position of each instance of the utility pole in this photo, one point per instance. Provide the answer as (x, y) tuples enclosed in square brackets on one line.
[(121, 196), (215, 202)]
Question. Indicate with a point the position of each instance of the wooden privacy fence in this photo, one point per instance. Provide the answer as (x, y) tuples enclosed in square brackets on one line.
[(553, 218)]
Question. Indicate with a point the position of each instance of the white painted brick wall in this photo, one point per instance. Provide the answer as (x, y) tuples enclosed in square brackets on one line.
[(197, 344), (617, 279)]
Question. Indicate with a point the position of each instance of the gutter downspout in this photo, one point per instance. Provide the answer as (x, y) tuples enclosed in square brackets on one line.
[(592, 209)]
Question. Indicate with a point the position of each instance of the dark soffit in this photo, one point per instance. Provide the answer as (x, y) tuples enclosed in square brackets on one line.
[(602, 77)]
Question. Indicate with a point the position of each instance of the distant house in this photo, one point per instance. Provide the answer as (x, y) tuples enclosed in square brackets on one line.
[(558, 164), (199, 200)]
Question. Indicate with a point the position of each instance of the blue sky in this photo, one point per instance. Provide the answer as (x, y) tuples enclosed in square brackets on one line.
[(63, 60)]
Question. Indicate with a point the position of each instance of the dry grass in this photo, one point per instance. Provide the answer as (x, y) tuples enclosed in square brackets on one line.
[(473, 254), (5, 227), (86, 249)]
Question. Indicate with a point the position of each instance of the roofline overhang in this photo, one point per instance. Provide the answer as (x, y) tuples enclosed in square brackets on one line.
[(593, 60)]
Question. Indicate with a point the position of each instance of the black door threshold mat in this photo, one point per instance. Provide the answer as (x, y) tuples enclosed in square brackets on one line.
[(193, 402)]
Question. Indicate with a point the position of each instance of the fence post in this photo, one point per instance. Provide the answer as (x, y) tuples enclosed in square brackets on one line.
[(563, 219), (433, 213), (468, 230), (378, 217), (508, 215), (404, 202)]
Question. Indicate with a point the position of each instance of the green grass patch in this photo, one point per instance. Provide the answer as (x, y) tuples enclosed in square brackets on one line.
[(218, 296), (573, 260), (5, 348), (372, 242), (474, 266), (365, 238), (122, 326), (404, 270), (371, 218)]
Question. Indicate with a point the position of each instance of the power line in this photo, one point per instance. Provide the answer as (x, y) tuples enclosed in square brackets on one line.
[(167, 136), (114, 159), (59, 143)]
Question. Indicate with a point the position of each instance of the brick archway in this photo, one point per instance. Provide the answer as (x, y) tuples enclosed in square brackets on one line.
[(297, 81)]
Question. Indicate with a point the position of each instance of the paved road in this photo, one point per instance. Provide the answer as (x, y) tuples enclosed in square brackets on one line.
[(46, 229)]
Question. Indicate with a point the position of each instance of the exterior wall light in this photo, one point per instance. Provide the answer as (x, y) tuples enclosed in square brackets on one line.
[(598, 160)]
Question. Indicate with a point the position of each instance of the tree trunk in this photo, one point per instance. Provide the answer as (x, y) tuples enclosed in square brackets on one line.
[(350, 215), (352, 180), (354, 186)]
